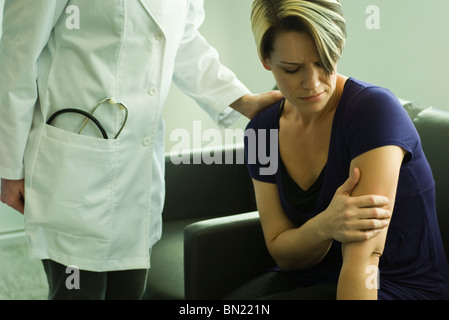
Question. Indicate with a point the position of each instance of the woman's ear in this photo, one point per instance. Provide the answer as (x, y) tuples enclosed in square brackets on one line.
[(266, 64)]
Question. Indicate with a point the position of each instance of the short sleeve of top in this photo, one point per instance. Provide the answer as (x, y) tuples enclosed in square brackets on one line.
[(374, 117), (261, 144)]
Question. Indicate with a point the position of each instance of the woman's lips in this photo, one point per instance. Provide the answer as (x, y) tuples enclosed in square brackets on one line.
[(313, 98)]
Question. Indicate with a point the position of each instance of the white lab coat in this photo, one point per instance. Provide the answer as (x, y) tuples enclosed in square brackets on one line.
[(91, 202)]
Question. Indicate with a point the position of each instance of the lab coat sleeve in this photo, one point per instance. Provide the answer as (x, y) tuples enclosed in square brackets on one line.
[(199, 73), (27, 26)]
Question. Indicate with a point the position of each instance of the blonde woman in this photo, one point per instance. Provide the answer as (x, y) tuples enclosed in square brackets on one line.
[(353, 193)]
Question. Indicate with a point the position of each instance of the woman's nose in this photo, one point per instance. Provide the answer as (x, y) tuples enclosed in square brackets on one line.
[(311, 79)]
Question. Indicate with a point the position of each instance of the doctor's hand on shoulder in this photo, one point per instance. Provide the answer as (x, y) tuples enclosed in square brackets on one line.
[(13, 194), (251, 104)]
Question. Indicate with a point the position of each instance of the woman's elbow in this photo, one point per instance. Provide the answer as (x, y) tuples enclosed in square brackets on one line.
[(294, 262), (366, 252)]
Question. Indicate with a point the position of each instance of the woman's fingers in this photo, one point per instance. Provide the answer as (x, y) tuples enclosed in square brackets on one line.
[(350, 183), (370, 201), (362, 235), (364, 223), (371, 224), (374, 213)]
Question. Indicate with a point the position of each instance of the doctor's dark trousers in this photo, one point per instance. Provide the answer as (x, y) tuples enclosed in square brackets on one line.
[(110, 285)]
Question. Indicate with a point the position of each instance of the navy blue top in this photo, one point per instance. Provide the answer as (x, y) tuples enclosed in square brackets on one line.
[(413, 264)]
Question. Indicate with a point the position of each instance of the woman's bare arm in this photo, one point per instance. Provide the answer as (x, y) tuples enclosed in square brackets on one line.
[(379, 175)]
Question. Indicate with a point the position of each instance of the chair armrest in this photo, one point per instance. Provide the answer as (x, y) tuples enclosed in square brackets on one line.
[(222, 253)]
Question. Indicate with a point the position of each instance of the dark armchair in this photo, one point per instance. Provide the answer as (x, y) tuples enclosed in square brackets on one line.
[(194, 192)]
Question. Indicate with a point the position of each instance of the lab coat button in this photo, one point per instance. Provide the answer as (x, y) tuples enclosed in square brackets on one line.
[(146, 141), (152, 91), (159, 36)]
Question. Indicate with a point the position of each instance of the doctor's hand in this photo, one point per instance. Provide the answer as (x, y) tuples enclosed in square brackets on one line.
[(349, 219), (251, 104), (13, 194)]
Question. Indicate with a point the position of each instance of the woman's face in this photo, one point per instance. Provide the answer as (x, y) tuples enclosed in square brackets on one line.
[(299, 75)]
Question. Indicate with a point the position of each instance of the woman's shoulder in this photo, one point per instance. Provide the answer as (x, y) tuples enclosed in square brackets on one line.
[(369, 99), (358, 90), (267, 118), (363, 92)]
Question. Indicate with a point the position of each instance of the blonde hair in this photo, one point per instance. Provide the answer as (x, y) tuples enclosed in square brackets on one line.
[(322, 19)]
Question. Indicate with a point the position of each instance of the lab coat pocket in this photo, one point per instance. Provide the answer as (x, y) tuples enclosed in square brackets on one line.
[(72, 183)]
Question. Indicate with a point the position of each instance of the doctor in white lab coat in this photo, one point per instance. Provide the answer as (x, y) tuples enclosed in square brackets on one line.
[(91, 202)]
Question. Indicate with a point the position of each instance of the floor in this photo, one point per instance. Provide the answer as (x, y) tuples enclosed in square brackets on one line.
[(20, 277)]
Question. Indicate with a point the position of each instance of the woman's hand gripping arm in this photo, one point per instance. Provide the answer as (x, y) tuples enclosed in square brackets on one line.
[(346, 219)]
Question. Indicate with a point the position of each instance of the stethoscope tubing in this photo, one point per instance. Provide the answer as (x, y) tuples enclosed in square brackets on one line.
[(82, 112)]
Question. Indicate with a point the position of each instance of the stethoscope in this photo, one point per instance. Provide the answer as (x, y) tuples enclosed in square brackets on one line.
[(90, 116)]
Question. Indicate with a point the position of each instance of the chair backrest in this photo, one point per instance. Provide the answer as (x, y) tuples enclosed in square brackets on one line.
[(196, 189), (433, 127)]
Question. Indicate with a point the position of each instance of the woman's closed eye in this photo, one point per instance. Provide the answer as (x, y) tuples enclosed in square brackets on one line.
[(289, 71)]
